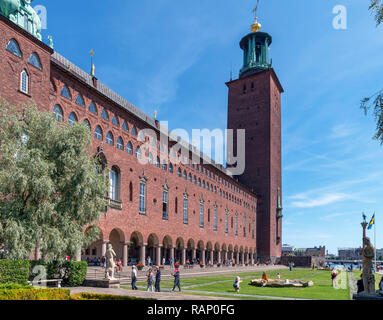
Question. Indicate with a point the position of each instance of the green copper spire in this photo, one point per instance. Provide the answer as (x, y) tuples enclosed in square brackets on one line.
[(255, 48), (21, 13)]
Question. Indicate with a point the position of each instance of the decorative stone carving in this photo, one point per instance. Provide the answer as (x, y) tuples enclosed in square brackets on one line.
[(368, 253)]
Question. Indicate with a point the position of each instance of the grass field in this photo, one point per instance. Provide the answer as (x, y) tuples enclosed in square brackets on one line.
[(222, 285), (378, 277)]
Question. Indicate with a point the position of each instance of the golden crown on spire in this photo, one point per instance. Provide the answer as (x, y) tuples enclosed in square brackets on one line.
[(256, 26)]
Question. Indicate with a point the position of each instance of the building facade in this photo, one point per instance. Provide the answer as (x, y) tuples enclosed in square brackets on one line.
[(165, 208)]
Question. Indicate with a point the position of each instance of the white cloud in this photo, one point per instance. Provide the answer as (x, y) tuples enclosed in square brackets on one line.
[(343, 130), (305, 201), (331, 216)]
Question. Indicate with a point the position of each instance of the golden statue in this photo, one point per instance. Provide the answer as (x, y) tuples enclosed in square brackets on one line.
[(256, 26)]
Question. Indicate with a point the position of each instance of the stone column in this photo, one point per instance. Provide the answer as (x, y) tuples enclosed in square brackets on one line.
[(252, 258), (219, 257), (172, 253), (183, 256), (142, 254), (237, 258), (158, 256), (125, 254), (203, 256), (243, 257), (194, 253), (211, 257), (225, 255)]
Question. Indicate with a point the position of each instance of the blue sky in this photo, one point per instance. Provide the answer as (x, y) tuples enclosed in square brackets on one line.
[(175, 57)]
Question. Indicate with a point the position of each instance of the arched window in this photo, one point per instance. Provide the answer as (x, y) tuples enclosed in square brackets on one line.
[(150, 158), (170, 168), (14, 47), (179, 173), (110, 139), (24, 82), (80, 100), (58, 112), (125, 126), (226, 222), (203, 184), (134, 131), (120, 144), (157, 162), (190, 177), (65, 92), (104, 115), (184, 175), (201, 218), (34, 60), (207, 185), (87, 123), (185, 215), (176, 205), (129, 148), (138, 153), (72, 119), (199, 182), (92, 108), (98, 133), (195, 180), (114, 184), (115, 121), (164, 165)]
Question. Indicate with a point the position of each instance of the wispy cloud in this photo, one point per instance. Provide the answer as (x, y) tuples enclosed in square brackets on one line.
[(304, 201), (343, 130), (331, 217)]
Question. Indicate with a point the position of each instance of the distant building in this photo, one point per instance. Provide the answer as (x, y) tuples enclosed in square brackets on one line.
[(316, 251), (349, 253), (287, 250)]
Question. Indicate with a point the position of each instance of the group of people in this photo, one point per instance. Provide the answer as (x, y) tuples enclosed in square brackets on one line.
[(153, 279)]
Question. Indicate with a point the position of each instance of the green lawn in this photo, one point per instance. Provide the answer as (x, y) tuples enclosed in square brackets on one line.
[(378, 276), (322, 289)]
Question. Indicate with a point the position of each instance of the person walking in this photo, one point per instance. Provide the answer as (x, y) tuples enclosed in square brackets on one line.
[(150, 281), (334, 274), (134, 278), (177, 282), (163, 261), (158, 279), (103, 259), (172, 263)]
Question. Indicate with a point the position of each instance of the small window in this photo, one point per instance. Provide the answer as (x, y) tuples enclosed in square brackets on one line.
[(134, 131), (120, 144), (138, 153), (115, 121), (165, 205), (157, 162), (87, 123), (34, 60), (24, 82), (58, 112), (72, 119), (129, 148), (13, 47), (110, 139), (80, 100), (190, 177), (170, 168), (104, 115), (98, 133), (92, 108), (125, 126), (179, 172), (65, 92), (185, 175)]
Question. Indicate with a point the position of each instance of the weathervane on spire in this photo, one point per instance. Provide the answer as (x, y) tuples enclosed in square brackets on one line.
[(256, 26), (256, 8)]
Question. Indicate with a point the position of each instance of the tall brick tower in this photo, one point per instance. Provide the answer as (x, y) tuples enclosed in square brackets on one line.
[(255, 105)]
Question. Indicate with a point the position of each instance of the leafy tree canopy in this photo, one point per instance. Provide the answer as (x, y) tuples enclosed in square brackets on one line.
[(375, 102), (51, 187)]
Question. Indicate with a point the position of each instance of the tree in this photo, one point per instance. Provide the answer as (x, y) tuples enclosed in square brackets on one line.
[(375, 102), (51, 187)]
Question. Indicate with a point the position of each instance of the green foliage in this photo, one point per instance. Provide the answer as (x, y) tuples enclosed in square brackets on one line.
[(376, 7), (94, 296), (34, 294), (14, 272), (50, 185), (10, 285), (375, 102), (73, 273)]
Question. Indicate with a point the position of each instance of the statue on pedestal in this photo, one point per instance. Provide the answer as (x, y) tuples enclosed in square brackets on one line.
[(110, 265), (368, 253)]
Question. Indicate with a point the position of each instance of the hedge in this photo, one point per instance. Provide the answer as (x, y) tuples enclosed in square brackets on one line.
[(95, 296), (73, 273), (34, 294), (14, 271)]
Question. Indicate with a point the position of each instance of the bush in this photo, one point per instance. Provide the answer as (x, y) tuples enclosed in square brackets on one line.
[(34, 294), (9, 286), (72, 273), (14, 271), (94, 296)]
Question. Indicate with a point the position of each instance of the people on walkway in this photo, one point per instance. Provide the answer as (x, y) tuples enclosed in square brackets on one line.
[(172, 263), (149, 261), (134, 278), (150, 281), (177, 281), (158, 279), (237, 284), (334, 274)]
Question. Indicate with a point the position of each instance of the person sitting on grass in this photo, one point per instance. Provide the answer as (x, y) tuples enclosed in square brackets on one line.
[(264, 277), (278, 276), (236, 284)]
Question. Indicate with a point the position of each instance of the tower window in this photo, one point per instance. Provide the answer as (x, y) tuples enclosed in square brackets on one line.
[(110, 139), (165, 205), (142, 202), (65, 93), (129, 148), (98, 133), (92, 108), (13, 47), (80, 100), (58, 112), (120, 144), (34, 60), (72, 119)]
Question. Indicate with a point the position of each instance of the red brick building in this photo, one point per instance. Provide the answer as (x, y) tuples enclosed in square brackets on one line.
[(163, 210)]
